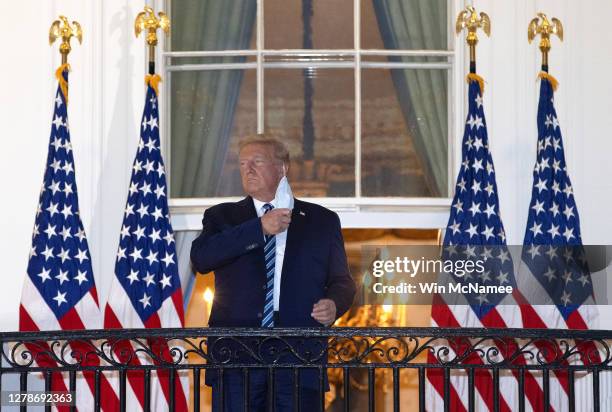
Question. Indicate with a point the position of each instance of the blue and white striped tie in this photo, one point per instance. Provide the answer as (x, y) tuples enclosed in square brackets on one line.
[(270, 257)]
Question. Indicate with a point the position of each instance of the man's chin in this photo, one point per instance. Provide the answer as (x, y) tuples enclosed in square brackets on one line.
[(252, 190)]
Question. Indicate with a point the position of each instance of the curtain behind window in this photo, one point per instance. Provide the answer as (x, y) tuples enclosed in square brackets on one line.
[(422, 94), (204, 102)]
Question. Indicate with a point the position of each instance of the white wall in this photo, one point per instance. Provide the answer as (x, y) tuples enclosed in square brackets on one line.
[(106, 97), (582, 65)]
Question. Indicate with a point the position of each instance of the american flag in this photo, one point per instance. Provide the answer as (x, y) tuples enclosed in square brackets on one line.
[(553, 219), (475, 221), (146, 290), (59, 291), (553, 256)]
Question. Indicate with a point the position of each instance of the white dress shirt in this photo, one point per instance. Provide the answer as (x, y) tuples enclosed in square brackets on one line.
[(281, 242)]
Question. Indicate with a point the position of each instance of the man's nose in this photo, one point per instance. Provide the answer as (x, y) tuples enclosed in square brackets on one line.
[(249, 167)]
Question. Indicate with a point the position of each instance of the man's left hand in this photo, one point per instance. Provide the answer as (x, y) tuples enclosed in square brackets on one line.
[(324, 311)]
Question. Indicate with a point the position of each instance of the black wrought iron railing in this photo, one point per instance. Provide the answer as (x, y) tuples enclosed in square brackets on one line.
[(351, 357)]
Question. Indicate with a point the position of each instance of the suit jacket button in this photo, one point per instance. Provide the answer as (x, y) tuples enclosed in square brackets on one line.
[(259, 315), (264, 287)]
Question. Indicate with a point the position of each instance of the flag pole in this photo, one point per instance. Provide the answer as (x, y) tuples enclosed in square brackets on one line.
[(544, 27), (470, 20), (146, 20)]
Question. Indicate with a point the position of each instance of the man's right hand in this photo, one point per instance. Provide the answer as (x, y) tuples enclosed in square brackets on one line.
[(276, 221)]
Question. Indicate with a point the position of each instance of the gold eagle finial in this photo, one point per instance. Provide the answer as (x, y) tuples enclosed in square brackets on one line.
[(146, 20), (472, 21), (469, 19), (545, 28), (61, 28)]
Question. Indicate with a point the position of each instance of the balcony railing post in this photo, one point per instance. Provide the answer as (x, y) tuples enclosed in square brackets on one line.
[(72, 380), (546, 389), (48, 386), (97, 400), (596, 397), (23, 387), (371, 390), (521, 390), (495, 389), (122, 390), (471, 390), (171, 381), (447, 403), (422, 389), (396, 391), (346, 374), (571, 395), (196, 390), (147, 390)]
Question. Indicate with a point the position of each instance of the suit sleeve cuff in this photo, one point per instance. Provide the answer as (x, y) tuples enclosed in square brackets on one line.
[(255, 238)]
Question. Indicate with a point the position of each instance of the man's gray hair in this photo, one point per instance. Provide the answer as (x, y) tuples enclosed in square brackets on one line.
[(280, 150)]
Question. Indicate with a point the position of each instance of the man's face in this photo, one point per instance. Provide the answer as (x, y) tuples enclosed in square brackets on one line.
[(260, 171)]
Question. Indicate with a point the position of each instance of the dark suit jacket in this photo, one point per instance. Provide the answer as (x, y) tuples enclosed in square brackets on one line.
[(314, 267)]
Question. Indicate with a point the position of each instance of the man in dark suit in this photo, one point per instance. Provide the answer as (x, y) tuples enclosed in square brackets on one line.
[(274, 267)]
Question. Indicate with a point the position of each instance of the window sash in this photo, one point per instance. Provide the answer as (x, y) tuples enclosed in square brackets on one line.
[(169, 62)]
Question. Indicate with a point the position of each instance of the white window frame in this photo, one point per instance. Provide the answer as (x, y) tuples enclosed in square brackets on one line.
[(357, 211)]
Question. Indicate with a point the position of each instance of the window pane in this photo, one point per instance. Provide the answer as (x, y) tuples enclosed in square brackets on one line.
[(323, 161), (213, 24), (404, 24), (331, 24), (404, 132), (210, 112)]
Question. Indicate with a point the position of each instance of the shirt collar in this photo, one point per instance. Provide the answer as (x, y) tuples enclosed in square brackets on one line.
[(259, 205)]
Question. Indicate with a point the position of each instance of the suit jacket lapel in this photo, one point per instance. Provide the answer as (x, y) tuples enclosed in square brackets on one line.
[(246, 209)]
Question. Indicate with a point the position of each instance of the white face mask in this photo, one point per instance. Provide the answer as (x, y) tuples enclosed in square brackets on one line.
[(284, 195)]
